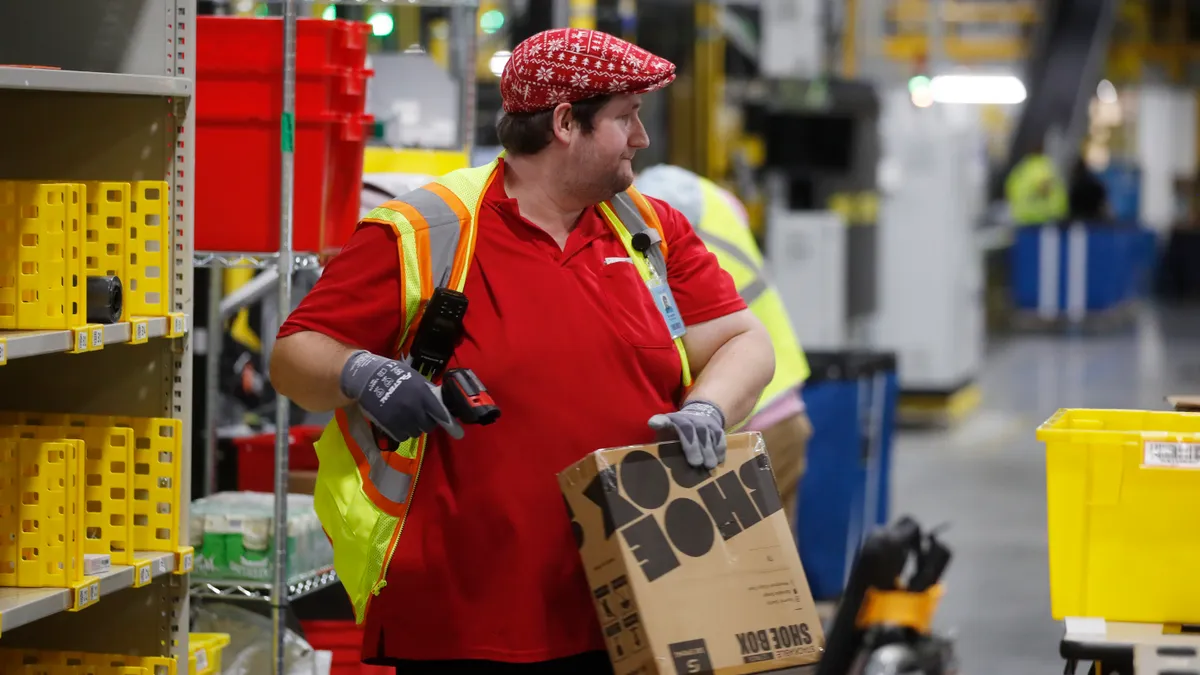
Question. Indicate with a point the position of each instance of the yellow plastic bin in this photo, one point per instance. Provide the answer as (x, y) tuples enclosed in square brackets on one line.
[(204, 652), (1123, 511)]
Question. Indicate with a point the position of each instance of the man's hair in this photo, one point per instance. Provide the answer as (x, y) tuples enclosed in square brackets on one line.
[(530, 133)]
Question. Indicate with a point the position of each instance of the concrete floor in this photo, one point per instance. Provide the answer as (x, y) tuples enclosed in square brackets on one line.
[(985, 477)]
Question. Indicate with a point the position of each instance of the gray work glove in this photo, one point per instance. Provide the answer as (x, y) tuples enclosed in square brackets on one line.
[(700, 427), (396, 398)]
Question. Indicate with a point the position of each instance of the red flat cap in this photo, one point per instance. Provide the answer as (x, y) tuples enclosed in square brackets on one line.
[(565, 65)]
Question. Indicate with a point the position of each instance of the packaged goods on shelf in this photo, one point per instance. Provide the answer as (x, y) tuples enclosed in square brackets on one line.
[(85, 485), (48, 662), (233, 534)]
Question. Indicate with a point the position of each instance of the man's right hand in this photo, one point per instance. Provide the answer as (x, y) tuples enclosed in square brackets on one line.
[(396, 398)]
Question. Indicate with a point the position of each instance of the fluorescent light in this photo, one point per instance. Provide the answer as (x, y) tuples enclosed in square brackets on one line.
[(498, 61), (978, 89)]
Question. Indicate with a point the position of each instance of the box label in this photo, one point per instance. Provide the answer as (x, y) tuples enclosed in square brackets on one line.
[(779, 642), (633, 500), (691, 657), (140, 331), (1172, 455)]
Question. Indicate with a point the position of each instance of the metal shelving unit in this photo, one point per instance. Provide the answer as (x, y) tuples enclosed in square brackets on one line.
[(110, 98), (18, 344), (279, 270), (298, 587), (21, 606), (93, 83)]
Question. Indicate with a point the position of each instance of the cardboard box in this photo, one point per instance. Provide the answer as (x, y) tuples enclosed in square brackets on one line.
[(692, 571), (1185, 402), (302, 482)]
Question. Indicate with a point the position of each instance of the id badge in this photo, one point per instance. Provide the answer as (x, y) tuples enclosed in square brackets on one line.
[(665, 301)]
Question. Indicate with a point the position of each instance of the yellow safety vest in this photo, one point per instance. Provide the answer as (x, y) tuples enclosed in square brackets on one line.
[(725, 232), (1035, 192), (363, 492)]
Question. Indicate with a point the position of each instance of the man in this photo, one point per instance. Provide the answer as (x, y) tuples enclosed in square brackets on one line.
[(597, 318), (720, 220), (1087, 196), (1035, 191)]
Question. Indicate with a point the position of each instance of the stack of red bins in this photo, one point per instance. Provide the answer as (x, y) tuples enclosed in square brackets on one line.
[(239, 100)]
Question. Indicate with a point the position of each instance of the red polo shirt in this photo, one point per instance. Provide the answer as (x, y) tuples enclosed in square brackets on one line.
[(576, 355)]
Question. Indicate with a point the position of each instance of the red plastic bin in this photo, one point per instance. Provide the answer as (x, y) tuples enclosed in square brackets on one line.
[(345, 640), (345, 182), (350, 92), (259, 94), (237, 184), (350, 49), (256, 457), (238, 44), (239, 95)]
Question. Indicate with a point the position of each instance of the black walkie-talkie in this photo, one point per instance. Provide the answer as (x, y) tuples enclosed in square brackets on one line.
[(440, 331), (438, 335)]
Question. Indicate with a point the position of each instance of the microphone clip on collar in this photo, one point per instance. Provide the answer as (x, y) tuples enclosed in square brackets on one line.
[(642, 241)]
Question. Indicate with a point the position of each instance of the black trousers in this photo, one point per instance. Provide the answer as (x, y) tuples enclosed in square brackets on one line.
[(590, 663)]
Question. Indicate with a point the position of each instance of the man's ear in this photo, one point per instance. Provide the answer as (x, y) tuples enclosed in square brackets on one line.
[(562, 122)]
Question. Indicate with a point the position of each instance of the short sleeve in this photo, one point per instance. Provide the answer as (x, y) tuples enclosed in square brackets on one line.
[(702, 289), (357, 301)]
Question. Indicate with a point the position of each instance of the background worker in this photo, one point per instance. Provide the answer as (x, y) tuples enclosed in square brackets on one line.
[(1035, 191), (563, 331), (720, 220)]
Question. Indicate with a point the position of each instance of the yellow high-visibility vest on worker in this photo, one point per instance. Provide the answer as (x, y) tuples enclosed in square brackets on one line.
[(719, 219), (1036, 193), (363, 493)]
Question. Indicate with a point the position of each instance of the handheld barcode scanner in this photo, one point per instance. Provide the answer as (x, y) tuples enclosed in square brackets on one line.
[(438, 335)]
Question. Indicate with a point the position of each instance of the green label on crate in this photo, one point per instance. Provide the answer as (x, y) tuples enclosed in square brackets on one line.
[(288, 133)]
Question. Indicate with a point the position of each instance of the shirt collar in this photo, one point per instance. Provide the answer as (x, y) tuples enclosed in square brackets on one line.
[(591, 223)]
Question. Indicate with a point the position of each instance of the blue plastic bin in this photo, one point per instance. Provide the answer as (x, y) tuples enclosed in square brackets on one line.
[(1119, 263), (1123, 184), (851, 399)]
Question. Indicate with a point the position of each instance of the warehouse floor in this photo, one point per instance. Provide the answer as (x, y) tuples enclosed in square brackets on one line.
[(985, 477)]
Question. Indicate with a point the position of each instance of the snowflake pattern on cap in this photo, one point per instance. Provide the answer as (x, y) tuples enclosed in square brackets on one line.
[(565, 65)]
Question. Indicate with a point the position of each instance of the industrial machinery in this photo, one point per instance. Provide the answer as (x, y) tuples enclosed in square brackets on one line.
[(933, 183), (822, 142)]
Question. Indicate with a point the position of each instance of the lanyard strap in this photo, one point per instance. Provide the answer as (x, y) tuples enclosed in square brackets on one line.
[(651, 266)]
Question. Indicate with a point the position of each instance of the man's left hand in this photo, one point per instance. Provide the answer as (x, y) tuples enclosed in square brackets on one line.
[(700, 427)]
